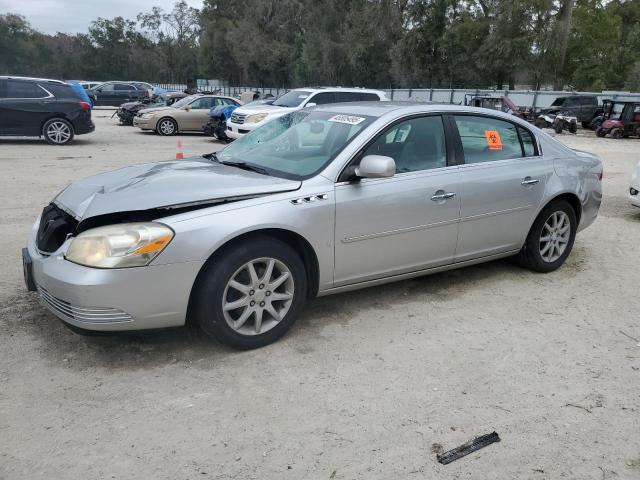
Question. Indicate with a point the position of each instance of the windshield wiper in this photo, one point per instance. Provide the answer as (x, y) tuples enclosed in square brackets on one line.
[(246, 166), (211, 156)]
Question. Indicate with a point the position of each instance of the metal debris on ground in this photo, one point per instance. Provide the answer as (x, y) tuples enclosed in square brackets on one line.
[(467, 448)]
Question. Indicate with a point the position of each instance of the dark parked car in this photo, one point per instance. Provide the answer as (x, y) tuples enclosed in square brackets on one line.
[(42, 108), (116, 93), (583, 107), (128, 110)]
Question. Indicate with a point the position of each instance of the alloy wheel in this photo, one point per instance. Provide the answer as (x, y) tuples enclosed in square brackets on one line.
[(58, 132), (258, 296), (167, 127), (555, 236)]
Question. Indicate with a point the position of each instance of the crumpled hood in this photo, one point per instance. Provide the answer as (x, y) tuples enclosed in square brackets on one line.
[(131, 105), (165, 184)]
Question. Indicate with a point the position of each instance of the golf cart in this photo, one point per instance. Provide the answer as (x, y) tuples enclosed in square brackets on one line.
[(502, 104), (620, 119)]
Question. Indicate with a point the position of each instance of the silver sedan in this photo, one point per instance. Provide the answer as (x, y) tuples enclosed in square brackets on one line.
[(320, 201)]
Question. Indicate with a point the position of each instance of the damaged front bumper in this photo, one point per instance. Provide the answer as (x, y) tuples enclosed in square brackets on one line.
[(155, 296)]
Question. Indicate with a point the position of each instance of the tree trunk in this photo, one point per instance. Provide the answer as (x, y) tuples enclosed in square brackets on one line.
[(563, 33)]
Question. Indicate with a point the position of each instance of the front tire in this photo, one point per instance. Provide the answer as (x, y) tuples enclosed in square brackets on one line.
[(250, 293), (57, 131), (167, 126), (550, 239), (601, 132)]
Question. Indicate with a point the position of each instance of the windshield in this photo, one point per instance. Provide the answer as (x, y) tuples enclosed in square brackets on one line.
[(184, 101), (297, 145), (292, 98), (616, 114)]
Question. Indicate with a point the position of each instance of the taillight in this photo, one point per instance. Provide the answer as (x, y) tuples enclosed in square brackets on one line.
[(85, 105)]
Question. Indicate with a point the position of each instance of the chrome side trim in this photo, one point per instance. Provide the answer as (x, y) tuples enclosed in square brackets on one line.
[(500, 212), (398, 231), (310, 199)]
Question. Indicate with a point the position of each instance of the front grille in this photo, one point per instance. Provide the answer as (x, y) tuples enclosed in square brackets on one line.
[(238, 118), (55, 226), (82, 314)]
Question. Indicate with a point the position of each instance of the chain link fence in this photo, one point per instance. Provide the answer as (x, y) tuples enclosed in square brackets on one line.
[(533, 99)]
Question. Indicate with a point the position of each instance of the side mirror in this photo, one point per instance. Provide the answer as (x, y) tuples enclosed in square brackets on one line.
[(376, 166), (310, 104), (187, 108)]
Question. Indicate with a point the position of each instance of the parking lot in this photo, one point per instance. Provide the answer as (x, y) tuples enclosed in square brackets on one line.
[(366, 385)]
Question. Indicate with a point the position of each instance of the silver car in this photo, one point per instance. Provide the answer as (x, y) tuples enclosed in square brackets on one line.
[(319, 201)]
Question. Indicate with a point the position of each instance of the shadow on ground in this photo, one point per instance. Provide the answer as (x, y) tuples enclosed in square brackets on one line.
[(148, 349)]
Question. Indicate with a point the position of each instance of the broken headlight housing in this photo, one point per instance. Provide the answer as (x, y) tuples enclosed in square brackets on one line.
[(121, 245)]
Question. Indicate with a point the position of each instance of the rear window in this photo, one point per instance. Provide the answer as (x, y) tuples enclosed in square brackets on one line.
[(356, 97), (61, 91)]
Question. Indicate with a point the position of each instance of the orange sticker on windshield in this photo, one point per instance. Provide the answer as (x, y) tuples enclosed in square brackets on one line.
[(493, 139)]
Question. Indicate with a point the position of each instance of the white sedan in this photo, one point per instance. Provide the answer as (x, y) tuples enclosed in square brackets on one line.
[(634, 190)]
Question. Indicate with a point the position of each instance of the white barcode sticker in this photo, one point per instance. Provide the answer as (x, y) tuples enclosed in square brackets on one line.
[(348, 119)]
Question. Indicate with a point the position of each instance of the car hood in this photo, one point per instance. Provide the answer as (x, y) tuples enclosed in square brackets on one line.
[(131, 105), (173, 184), (156, 109), (265, 108)]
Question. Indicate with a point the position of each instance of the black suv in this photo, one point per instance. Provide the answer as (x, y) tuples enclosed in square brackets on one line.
[(42, 108), (583, 107), (114, 94)]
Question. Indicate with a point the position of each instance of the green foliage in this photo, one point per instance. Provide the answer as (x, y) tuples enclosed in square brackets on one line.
[(585, 44)]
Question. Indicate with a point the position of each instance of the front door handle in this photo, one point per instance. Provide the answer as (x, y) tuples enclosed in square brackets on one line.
[(441, 195), (529, 181)]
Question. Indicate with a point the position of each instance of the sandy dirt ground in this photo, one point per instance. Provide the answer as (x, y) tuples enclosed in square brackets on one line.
[(365, 386)]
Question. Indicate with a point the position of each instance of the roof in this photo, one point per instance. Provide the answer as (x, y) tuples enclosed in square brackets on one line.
[(397, 109), (339, 89), (15, 77)]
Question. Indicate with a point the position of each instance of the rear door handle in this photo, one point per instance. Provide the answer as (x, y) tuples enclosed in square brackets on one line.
[(530, 181), (442, 196)]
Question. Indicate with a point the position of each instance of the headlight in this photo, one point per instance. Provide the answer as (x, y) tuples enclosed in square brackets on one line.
[(121, 245), (255, 118), (147, 115)]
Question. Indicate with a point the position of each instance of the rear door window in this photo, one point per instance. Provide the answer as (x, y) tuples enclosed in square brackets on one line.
[(486, 139), (323, 98), (20, 89)]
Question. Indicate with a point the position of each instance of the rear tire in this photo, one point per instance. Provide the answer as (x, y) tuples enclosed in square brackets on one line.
[(617, 134), (57, 131), (573, 128), (167, 126), (558, 127), (548, 244), (234, 299)]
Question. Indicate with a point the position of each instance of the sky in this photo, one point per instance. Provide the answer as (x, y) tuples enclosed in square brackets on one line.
[(74, 16)]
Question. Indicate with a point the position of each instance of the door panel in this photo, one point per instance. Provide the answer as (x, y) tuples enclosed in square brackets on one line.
[(25, 108), (391, 226), (500, 188), (198, 114), (497, 210)]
